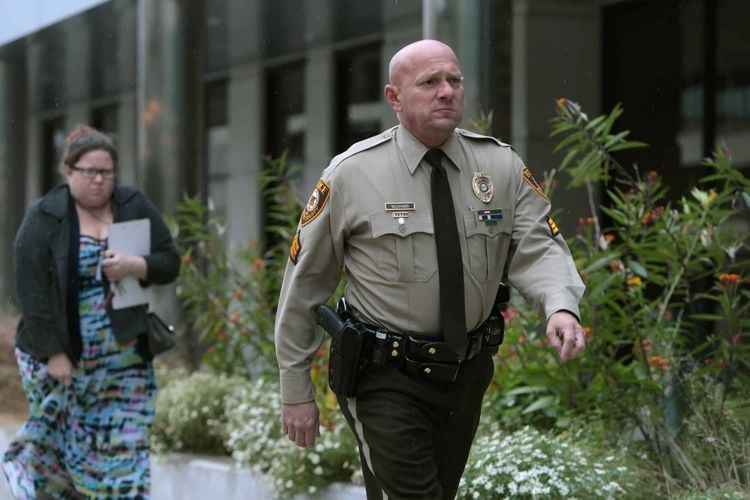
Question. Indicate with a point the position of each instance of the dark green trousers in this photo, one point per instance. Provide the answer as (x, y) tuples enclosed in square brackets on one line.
[(415, 434)]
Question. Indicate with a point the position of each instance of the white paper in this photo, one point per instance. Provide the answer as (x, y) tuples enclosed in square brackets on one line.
[(132, 237)]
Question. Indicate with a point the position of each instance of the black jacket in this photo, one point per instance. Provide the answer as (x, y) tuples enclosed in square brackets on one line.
[(40, 254)]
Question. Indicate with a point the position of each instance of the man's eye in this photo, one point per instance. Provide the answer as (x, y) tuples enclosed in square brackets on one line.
[(429, 82)]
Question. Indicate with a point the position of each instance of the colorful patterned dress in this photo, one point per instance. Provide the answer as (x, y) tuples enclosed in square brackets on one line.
[(91, 439)]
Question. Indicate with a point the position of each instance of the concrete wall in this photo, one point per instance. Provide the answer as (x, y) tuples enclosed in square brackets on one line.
[(556, 53)]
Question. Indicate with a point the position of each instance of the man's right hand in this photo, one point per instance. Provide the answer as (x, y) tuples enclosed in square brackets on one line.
[(60, 368), (301, 423)]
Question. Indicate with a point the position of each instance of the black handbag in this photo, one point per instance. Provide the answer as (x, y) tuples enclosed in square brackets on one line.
[(160, 334)]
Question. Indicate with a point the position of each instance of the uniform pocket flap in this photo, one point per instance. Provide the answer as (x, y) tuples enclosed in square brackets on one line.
[(489, 222), (383, 224)]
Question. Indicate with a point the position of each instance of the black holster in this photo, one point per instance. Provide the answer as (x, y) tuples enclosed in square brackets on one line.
[(345, 359)]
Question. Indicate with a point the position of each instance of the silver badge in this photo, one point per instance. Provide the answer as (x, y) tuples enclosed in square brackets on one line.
[(482, 186)]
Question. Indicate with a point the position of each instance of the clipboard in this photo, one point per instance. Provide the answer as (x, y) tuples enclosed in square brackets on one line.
[(131, 237)]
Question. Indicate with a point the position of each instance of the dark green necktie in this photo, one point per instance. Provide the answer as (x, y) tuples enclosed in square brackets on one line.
[(450, 263)]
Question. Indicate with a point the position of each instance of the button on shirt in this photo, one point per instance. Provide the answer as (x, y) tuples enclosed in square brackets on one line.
[(376, 221)]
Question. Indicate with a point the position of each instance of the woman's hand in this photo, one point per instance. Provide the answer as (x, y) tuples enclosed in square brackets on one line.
[(60, 368), (116, 266)]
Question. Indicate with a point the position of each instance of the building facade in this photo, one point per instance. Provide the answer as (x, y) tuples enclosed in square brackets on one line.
[(198, 93)]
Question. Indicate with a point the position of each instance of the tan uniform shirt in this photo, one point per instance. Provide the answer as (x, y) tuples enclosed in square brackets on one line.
[(371, 213)]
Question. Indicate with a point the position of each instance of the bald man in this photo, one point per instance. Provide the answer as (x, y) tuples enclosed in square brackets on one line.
[(423, 218)]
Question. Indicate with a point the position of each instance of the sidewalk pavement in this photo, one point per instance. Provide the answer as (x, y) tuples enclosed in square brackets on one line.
[(7, 431), (188, 477)]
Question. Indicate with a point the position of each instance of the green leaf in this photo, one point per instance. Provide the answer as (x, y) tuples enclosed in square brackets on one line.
[(628, 145), (617, 215), (526, 389), (540, 404), (637, 268), (601, 262)]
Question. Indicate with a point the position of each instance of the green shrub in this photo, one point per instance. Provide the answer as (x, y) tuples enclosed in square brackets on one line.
[(190, 413), (230, 295)]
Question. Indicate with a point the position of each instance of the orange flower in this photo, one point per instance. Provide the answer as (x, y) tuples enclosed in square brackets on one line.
[(587, 330), (720, 362), (633, 283), (646, 345), (586, 221), (258, 264), (235, 317), (186, 259), (545, 342), (238, 294), (649, 217), (522, 340), (729, 279), (660, 362), (652, 175), (609, 237)]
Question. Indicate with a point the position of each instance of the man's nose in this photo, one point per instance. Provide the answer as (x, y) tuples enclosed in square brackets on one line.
[(445, 89)]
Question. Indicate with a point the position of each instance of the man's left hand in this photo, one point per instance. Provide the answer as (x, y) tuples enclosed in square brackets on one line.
[(565, 335)]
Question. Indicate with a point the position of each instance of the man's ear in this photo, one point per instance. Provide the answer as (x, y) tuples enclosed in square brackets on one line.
[(391, 95)]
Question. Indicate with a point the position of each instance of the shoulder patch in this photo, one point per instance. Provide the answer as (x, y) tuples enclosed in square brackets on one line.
[(473, 135), (316, 203), (532, 182), (295, 248), (553, 229)]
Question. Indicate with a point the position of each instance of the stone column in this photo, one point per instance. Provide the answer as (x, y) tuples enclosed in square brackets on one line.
[(12, 170)]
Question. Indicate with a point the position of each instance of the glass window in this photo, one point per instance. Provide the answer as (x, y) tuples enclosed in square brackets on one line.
[(285, 117), (733, 79), (355, 18), (216, 35), (53, 140), (283, 27), (105, 54), (105, 118), (217, 145), (51, 69), (359, 87)]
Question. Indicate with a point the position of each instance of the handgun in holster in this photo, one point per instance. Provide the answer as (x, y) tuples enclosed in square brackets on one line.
[(346, 349)]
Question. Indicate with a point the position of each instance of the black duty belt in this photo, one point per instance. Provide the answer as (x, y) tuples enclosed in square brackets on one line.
[(428, 356)]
